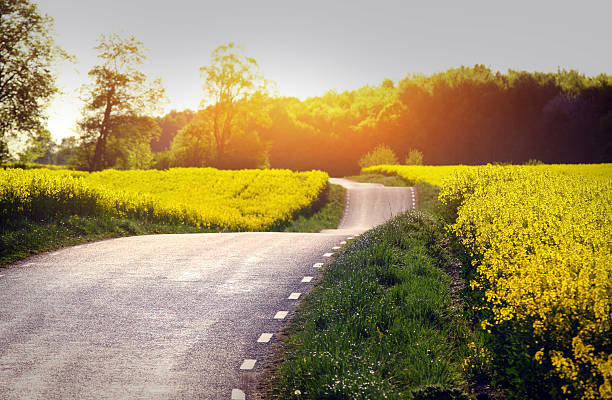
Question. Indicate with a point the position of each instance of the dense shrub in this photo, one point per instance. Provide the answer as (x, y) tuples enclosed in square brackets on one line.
[(381, 154)]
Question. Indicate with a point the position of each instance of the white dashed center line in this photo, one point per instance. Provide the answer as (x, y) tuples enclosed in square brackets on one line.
[(238, 394), (317, 265), (294, 296), (248, 364), (336, 248), (328, 254), (281, 315), (307, 279), (264, 338)]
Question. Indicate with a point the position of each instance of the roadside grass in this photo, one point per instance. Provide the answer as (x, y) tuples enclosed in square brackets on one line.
[(326, 213), (23, 238), (387, 180), (33, 165), (382, 322)]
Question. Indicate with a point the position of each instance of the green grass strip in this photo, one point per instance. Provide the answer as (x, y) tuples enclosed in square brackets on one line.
[(24, 238), (380, 324)]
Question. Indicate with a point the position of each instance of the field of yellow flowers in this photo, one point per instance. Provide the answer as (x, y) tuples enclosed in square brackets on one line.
[(437, 175), (246, 200), (540, 242)]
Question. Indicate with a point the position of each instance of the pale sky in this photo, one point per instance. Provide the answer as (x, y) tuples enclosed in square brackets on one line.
[(310, 47)]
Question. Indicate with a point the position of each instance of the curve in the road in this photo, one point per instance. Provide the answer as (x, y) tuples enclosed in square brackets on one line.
[(164, 316)]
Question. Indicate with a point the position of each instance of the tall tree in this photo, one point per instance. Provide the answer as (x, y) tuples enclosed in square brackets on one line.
[(118, 99), (231, 80), (27, 82)]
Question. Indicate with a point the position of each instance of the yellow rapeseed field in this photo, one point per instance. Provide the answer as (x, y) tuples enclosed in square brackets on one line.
[(434, 175), (437, 175), (246, 200), (541, 240)]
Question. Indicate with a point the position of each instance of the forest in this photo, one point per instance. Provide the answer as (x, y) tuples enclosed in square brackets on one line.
[(465, 115)]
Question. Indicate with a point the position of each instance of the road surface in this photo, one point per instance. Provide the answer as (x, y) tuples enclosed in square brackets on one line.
[(164, 316)]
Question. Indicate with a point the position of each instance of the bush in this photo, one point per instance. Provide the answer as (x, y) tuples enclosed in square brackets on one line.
[(533, 161), (382, 154), (415, 157)]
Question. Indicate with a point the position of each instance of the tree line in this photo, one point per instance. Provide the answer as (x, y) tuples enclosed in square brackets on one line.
[(464, 115)]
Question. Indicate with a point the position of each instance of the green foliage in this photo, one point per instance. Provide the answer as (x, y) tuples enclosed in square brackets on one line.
[(415, 157), (162, 160), (27, 83), (381, 154), (67, 152), (136, 156), (437, 392), (33, 165), (194, 144)]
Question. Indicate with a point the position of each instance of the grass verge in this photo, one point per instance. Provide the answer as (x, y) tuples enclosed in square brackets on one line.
[(23, 238), (326, 215), (387, 180), (382, 322)]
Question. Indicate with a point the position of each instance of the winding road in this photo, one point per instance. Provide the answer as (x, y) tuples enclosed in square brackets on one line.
[(165, 316)]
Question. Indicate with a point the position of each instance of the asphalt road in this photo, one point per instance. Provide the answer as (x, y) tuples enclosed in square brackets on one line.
[(163, 316)]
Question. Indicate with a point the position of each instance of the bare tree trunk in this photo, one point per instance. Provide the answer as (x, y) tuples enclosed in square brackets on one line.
[(96, 163)]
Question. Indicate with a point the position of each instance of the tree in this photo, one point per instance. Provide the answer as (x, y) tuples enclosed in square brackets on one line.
[(230, 81), (193, 145), (415, 157), (130, 148), (27, 83), (117, 100), (382, 154)]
